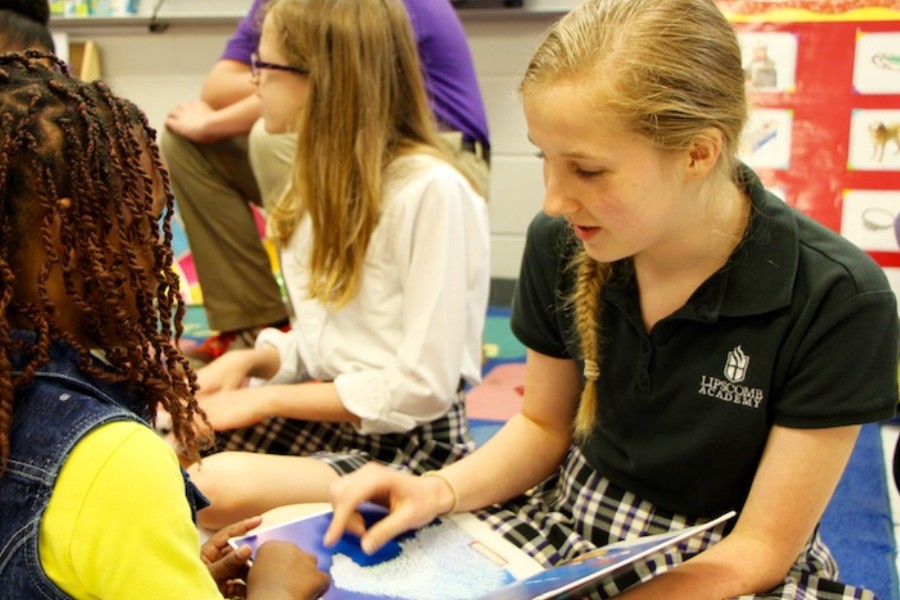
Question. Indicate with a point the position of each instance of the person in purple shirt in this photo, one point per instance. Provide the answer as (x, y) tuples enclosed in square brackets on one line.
[(221, 160)]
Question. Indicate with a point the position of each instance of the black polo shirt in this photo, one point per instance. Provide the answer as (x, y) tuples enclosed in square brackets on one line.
[(799, 328)]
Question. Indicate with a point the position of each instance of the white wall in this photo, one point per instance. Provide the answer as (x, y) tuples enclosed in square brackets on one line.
[(501, 47), (158, 70)]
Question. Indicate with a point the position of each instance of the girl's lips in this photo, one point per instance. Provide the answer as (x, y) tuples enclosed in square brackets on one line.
[(584, 233)]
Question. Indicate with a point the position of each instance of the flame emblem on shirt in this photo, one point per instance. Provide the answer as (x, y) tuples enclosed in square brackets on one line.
[(736, 365)]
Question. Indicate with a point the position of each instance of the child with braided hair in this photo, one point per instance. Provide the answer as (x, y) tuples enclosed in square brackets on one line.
[(93, 503), (695, 345)]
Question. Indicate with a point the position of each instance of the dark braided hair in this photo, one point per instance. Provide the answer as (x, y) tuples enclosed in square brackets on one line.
[(23, 25), (36, 10), (19, 32), (80, 173)]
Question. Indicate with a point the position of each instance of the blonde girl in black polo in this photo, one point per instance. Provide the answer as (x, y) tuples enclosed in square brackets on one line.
[(694, 345)]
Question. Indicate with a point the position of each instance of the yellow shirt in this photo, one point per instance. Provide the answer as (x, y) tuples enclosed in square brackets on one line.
[(118, 525)]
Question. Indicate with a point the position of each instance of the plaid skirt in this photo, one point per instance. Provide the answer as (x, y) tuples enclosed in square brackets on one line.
[(425, 448), (577, 511)]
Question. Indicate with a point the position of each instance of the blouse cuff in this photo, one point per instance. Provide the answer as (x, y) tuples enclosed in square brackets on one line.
[(365, 395), (291, 369)]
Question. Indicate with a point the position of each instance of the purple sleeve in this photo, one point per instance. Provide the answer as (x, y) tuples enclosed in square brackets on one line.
[(448, 67), (246, 37)]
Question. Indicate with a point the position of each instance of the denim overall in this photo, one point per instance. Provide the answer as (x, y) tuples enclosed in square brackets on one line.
[(50, 416)]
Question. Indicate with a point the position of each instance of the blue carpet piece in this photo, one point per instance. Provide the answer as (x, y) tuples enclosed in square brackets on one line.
[(857, 524), (483, 429)]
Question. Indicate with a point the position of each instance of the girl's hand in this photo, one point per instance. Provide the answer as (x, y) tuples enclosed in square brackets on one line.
[(228, 372), (281, 570), (233, 409), (225, 563), (412, 501)]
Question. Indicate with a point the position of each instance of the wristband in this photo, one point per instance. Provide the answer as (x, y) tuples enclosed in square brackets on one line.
[(437, 475)]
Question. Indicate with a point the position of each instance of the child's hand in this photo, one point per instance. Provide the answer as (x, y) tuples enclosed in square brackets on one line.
[(284, 571), (224, 563), (235, 409), (232, 370), (228, 372), (413, 502)]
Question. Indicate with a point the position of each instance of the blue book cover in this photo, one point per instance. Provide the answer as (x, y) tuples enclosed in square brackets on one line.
[(457, 557)]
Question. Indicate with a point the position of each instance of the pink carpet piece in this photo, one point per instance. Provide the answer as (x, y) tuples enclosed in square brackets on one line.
[(499, 395)]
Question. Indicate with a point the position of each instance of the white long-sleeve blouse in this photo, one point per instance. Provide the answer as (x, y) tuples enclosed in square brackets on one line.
[(399, 350)]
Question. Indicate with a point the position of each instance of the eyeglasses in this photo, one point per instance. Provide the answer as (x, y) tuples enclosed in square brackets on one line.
[(257, 65)]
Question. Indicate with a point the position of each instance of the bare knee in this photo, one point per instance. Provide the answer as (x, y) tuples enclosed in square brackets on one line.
[(215, 477), (242, 484)]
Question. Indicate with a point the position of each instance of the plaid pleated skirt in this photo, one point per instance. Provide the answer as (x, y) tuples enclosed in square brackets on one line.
[(425, 448), (577, 511)]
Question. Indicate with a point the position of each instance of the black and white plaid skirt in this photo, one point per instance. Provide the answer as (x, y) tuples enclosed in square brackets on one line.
[(577, 511), (425, 448)]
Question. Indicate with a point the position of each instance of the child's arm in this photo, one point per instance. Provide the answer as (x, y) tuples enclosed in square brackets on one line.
[(525, 451), (799, 471), (311, 401), (97, 541)]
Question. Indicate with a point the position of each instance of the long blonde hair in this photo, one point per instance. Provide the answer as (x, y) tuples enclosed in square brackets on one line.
[(367, 105), (668, 69)]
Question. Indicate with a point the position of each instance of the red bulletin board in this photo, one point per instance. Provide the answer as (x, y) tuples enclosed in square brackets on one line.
[(824, 130)]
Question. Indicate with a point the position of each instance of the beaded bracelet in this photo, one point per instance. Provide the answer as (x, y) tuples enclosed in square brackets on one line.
[(437, 475)]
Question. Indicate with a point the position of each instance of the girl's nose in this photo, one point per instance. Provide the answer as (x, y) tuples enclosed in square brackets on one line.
[(558, 201)]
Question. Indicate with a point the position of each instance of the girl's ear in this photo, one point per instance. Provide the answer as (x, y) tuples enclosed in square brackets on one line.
[(704, 152)]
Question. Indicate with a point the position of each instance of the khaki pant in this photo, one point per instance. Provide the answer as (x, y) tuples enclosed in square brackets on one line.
[(214, 185)]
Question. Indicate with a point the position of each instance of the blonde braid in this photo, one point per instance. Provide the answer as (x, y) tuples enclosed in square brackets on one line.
[(585, 300)]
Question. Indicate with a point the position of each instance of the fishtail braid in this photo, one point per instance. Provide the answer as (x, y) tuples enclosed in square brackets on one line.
[(590, 276)]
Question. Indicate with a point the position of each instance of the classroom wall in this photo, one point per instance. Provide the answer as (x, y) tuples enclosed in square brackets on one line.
[(158, 70)]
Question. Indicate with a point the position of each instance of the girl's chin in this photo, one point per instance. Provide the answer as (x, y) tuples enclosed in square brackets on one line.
[(602, 254)]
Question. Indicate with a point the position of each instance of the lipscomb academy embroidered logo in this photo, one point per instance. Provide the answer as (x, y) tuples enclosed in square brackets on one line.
[(737, 366)]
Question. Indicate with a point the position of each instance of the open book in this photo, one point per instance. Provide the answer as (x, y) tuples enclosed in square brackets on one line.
[(457, 557)]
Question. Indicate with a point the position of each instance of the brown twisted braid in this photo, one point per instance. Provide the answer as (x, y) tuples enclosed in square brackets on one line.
[(74, 189)]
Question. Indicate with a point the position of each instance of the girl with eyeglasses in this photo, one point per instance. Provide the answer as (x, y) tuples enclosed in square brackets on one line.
[(384, 249)]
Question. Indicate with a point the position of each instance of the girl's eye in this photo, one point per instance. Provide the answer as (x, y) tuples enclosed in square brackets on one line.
[(586, 173)]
